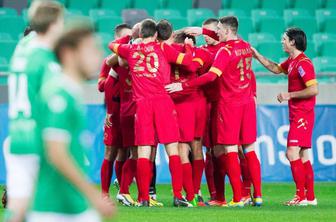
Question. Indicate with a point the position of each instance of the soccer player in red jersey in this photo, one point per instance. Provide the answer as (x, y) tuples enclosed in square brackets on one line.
[(155, 111), (235, 116), (215, 177), (112, 130), (191, 112), (301, 95)]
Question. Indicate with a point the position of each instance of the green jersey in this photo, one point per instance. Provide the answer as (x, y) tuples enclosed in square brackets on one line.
[(61, 118), (27, 72)]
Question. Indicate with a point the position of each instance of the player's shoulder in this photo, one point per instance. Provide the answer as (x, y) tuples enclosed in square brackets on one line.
[(304, 62)]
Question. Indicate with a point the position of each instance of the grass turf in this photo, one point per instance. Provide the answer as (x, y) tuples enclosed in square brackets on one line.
[(274, 194)]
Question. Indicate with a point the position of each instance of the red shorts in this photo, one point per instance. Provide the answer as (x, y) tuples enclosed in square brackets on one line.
[(234, 124), (301, 130), (191, 117), (156, 120), (112, 133), (127, 129)]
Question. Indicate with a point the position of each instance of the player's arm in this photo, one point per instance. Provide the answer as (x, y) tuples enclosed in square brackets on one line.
[(57, 138), (196, 31), (175, 57), (201, 59), (268, 64), (307, 73), (122, 50), (221, 61), (111, 87), (112, 60), (104, 70)]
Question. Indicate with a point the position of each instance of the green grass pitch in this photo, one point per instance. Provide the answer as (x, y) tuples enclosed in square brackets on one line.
[(273, 195)]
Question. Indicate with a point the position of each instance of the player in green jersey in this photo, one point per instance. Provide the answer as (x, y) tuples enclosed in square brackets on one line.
[(62, 191), (32, 56)]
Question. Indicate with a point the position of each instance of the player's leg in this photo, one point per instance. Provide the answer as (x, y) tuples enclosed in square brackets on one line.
[(246, 186), (188, 187), (22, 171), (297, 168), (219, 178), (106, 170), (111, 138), (228, 156), (152, 181), (198, 168), (199, 123), (248, 135), (143, 174), (175, 167), (122, 156), (209, 174), (309, 174), (253, 165)]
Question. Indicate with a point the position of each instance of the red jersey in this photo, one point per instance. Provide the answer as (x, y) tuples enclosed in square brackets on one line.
[(183, 74), (127, 104), (109, 86), (205, 56), (149, 66), (233, 67), (301, 75)]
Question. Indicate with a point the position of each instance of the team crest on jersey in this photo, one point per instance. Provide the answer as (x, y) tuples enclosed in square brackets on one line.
[(301, 71)]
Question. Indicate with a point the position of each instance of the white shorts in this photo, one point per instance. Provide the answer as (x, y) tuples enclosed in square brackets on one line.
[(21, 171), (86, 216)]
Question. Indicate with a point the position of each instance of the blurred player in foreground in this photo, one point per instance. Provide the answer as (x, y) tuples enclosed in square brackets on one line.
[(62, 191)]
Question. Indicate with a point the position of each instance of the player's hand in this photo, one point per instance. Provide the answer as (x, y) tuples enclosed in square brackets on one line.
[(284, 96), (174, 87), (189, 41), (254, 52), (106, 208), (195, 31), (108, 123)]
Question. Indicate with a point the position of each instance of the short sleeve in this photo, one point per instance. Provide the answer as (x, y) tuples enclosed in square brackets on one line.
[(307, 72), (57, 120), (123, 50), (171, 54), (284, 66), (221, 61)]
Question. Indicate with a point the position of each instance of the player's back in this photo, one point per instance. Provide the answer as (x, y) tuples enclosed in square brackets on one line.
[(235, 82), (26, 72), (150, 70), (62, 116)]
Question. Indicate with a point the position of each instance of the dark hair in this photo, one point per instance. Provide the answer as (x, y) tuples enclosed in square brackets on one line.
[(299, 37), (120, 27), (147, 28), (72, 38), (210, 21), (180, 36), (27, 30), (164, 29), (44, 13), (231, 21)]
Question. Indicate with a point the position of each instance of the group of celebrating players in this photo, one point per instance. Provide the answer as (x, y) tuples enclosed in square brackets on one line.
[(159, 88)]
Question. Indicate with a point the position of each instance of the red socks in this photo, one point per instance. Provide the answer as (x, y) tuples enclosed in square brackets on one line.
[(143, 175), (105, 175), (118, 169), (246, 189), (219, 177), (197, 169), (233, 170), (209, 175), (128, 172), (255, 172), (175, 167), (309, 185), (298, 172), (187, 181)]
